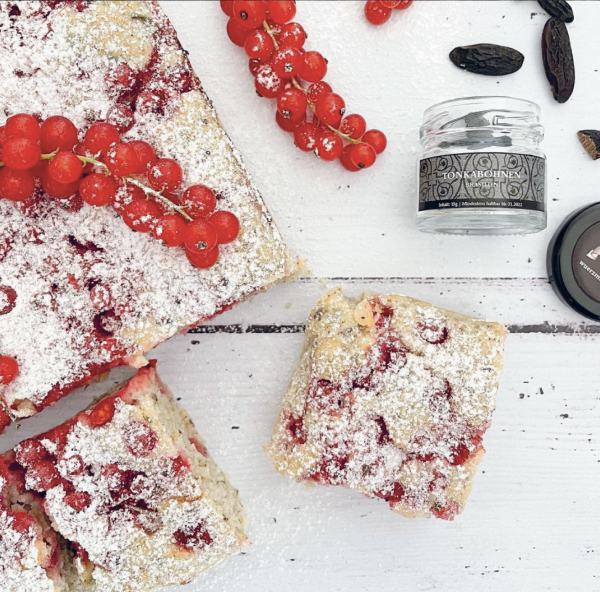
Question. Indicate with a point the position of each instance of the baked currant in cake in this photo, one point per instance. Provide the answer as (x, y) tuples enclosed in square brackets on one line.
[(84, 288), (122, 498), (391, 398)]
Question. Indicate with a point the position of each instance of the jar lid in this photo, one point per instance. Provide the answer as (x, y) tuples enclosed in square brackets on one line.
[(574, 261)]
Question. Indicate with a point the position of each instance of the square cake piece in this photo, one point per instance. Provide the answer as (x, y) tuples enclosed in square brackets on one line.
[(391, 398), (80, 292), (122, 498)]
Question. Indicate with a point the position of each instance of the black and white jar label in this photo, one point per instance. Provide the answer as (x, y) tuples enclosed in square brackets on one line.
[(482, 180)]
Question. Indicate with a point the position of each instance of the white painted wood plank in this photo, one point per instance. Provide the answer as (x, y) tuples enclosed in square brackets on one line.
[(522, 304), (362, 224), (531, 523)]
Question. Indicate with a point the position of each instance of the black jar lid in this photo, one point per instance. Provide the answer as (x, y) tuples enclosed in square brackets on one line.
[(574, 261)]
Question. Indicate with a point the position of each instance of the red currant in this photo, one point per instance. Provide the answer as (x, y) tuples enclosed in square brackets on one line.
[(403, 4), (16, 185), (305, 136), (227, 226), (42, 476), (313, 67), (98, 189), (141, 215), (250, 14), (281, 11), (330, 109), (65, 168), (376, 12), (254, 66), (345, 159), (292, 35), (102, 413), (286, 62), (316, 89), (288, 125), (259, 45), (170, 229), (329, 145), (101, 136), (363, 155), (121, 79), (145, 154), (165, 175), (122, 117), (78, 500), (267, 83), (8, 299), (121, 159), (58, 133), (24, 126), (236, 33), (9, 369), (204, 259), (58, 190), (30, 451), (147, 102), (101, 297), (227, 7), (200, 236), (390, 3), (376, 139), (139, 438), (20, 153), (292, 104), (199, 201), (354, 126)]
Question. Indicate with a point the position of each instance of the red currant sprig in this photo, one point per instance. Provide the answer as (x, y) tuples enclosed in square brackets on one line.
[(380, 11), (284, 70), (103, 170)]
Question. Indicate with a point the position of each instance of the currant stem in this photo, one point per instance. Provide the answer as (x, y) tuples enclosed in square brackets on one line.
[(49, 156), (93, 160), (148, 191), (297, 85)]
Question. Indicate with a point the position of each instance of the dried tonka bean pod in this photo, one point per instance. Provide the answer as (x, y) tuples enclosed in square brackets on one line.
[(590, 139), (558, 8), (558, 59), (487, 59)]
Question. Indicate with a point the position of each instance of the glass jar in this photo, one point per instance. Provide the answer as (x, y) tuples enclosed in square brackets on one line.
[(481, 170)]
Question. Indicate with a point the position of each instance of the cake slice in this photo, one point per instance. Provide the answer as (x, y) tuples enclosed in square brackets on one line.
[(122, 498), (80, 292), (391, 398)]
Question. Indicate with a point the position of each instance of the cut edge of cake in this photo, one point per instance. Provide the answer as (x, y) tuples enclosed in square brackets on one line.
[(59, 557)]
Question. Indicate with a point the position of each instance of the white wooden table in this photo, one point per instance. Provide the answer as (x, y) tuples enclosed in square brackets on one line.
[(533, 521)]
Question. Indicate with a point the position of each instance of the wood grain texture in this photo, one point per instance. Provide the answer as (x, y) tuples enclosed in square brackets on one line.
[(532, 522), (363, 224)]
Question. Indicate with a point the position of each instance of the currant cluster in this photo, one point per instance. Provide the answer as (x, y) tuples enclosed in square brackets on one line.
[(284, 70), (380, 11), (102, 170)]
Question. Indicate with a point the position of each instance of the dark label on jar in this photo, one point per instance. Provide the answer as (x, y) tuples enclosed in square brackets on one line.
[(586, 262), (482, 180)]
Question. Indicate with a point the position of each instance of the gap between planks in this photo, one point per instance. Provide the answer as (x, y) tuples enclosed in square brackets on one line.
[(524, 305)]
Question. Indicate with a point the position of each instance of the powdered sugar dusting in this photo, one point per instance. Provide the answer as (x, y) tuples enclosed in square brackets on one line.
[(149, 519), (19, 564), (391, 398), (57, 61)]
